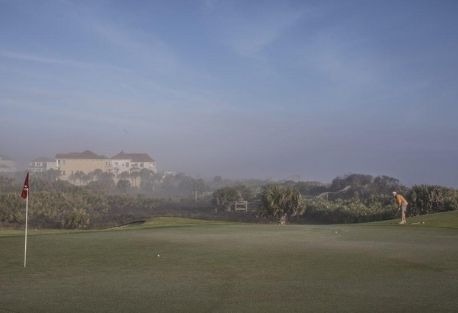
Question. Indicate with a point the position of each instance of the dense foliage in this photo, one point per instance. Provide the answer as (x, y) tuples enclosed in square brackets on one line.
[(347, 210), (83, 209), (362, 198), (426, 199), (102, 202), (280, 201), (59, 204), (224, 198)]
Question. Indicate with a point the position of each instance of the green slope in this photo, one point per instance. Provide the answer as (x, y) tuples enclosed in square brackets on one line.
[(181, 265), (443, 219)]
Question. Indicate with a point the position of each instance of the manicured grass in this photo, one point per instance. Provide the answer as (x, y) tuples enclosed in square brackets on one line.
[(180, 265), (443, 219)]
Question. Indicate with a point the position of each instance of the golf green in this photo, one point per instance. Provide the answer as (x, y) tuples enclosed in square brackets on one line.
[(178, 265)]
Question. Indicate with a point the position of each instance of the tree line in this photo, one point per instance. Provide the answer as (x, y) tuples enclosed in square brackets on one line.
[(104, 203), (349, 199)]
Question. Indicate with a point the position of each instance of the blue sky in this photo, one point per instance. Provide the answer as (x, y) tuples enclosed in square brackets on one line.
[(268, 89)]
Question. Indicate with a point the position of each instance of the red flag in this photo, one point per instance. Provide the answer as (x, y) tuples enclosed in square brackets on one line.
[(25, 189)]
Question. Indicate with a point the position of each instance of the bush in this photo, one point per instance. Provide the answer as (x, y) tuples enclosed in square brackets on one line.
[(224, 198), (345, 211), (424, 199), (280, 201)]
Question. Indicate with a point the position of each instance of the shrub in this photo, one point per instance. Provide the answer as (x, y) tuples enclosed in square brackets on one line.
[(424, 199), (345, 211), (278, 201)]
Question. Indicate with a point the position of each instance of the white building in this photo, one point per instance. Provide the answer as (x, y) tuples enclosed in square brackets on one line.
[(42, 165), (120, 165), (132, 162)]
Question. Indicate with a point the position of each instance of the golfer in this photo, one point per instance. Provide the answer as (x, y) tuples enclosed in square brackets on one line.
[(402, 204)]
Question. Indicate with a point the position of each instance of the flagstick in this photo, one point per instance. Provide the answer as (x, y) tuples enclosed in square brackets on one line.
[(26, 216)]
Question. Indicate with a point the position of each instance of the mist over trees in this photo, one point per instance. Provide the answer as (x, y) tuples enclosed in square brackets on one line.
[(99, 199)]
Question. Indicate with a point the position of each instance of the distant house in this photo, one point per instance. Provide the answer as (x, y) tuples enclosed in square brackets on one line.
[(120, 165), (132, 162), (86, 162), (42, 165), (7, 165)]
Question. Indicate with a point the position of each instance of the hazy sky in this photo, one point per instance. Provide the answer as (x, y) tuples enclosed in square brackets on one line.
[(266, 89)]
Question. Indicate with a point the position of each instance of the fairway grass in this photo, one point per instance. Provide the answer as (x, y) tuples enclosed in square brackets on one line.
[(443, 220), (182, 265)]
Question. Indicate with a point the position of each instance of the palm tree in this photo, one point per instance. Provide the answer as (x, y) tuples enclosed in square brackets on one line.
[(79, 176), (280, 202), (134, 175), (73, 177), (90, 176), (96, 174), (124, 176), (123, 185), (199, 186), (50, 175)]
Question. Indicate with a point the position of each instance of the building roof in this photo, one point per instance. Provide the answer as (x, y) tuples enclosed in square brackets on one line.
[(79, 155), (44, 159), (134, 157)]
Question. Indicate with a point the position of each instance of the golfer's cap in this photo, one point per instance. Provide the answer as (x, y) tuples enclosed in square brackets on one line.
[(394, 193)]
